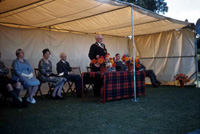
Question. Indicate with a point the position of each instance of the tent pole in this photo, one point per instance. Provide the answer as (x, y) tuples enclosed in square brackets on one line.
[(134, 78), (196, 62)]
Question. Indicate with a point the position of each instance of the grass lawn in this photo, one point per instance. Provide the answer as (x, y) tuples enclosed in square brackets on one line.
[(164, 110)]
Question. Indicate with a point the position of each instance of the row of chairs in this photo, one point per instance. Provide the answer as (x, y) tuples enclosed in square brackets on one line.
[(39, 91), (70, 89)]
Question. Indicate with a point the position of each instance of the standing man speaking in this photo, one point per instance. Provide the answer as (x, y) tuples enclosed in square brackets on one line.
[(96, 50)]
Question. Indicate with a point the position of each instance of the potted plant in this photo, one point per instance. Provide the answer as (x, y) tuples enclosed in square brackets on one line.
[(182, 78)]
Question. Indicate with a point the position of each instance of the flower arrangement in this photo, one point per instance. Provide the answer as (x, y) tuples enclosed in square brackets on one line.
[(106, 62), (182, 79), (127, 60)]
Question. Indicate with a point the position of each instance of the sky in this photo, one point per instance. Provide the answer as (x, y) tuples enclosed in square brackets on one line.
[(183, 9)]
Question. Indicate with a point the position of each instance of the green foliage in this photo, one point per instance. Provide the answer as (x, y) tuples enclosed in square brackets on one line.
[(156, 6)]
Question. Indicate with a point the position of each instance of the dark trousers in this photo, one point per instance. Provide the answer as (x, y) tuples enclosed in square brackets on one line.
[(78, 83), (98, 82), (151, 75)]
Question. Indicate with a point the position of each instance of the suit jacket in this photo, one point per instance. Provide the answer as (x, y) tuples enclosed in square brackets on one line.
[(120, 66), (62, 67), (95, 49)]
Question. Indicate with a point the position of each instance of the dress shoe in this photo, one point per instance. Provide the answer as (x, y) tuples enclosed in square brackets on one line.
[(159, 83), (33, 101), (79, 95), (52, 98), (96, 95), (155, 86), (59, 98)]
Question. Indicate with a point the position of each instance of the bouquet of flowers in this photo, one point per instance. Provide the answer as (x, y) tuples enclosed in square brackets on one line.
[(127, 60), (106, 62), (182, 79)]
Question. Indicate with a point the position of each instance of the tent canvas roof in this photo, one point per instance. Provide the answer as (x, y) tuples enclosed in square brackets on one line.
[(84, 16)]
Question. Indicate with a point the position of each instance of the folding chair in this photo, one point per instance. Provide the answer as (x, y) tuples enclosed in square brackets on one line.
[(39, 89), (36, 70), (77, 70), (4, 96), (12, 72), (88, 68)]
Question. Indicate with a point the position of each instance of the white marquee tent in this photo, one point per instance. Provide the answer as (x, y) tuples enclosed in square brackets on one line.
[(70, 25)]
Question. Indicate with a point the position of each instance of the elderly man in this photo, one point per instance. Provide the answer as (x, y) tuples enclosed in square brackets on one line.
[(149, 73), (119, 64), (64, 67), (96, 50), (10, 86)]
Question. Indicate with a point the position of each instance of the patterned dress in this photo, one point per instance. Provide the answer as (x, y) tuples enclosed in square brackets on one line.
[(46, 74)]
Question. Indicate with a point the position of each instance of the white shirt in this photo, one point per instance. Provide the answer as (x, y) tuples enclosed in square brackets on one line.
[(63, 61), (99, 44)]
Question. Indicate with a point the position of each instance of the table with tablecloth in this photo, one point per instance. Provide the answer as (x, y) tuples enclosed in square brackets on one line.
[(117, 85)]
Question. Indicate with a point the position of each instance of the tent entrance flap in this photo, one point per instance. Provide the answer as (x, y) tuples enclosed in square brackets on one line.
[(167, 53)]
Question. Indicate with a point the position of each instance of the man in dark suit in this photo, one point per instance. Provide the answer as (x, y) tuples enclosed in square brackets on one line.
[(119, 64), (64, 67), (149, 73), (96, 50)]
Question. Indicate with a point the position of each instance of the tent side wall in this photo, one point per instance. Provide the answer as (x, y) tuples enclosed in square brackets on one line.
[(33, 41), (167, 53)]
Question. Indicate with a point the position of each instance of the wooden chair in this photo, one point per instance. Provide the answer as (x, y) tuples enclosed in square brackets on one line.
[(39, 89), (90, 84), (4, 96), (36, 70), (77, 70), (12, 72)]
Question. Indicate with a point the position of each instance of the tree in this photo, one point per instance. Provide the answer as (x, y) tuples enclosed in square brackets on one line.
[(156, 6)]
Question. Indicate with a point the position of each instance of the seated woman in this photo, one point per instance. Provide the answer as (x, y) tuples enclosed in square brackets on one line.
[(23, 72), (10, 87), (46, 75)]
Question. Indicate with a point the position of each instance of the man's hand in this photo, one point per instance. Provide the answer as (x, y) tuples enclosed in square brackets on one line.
[(97, 65), (72, 72)]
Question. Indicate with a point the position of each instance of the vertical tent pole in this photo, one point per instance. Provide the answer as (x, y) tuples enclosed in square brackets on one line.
[(196, 62), (134, 78)]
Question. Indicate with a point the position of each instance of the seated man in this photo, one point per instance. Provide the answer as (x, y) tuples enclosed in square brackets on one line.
[(64, 67), (10, 87), (149, 73), (119, 64)]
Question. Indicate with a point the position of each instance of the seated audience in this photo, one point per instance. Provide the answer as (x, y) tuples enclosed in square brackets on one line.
[(46, 75), (149, 73), (120, 66), (64, 67), (10, 87), (23, 72)]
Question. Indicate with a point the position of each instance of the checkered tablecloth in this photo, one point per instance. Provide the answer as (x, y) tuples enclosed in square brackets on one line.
[(118, 85)]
